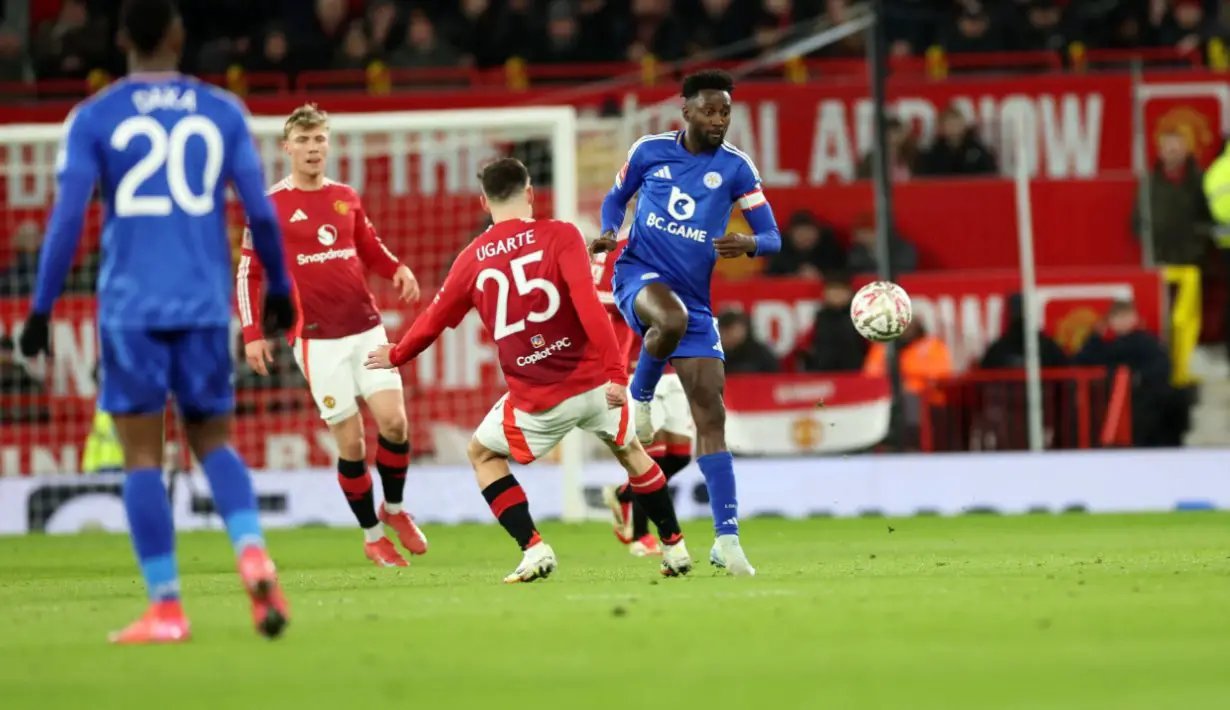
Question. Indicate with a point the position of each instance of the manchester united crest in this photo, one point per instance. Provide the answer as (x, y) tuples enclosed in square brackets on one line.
[(329, 402), (341, 207)]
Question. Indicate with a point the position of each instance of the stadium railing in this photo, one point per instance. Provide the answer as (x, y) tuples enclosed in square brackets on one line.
[(1083, 408), (518, 74)]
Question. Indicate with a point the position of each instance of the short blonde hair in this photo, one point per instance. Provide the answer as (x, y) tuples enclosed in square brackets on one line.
[(307, 117)]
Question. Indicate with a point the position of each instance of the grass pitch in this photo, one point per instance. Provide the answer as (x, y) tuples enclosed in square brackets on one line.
[(1123, 613)]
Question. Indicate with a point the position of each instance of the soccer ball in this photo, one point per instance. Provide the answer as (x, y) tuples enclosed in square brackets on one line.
[(881, 311)]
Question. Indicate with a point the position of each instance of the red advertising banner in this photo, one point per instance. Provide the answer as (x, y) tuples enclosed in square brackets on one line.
[(453, 384), (1075, 125)]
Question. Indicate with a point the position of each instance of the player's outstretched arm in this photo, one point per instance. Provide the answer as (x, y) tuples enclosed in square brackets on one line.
[(627, 181), (377, 257), (574, 268), (451, 304)]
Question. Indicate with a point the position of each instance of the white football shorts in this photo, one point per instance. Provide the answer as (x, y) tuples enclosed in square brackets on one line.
[(524, 437), (336, 375)]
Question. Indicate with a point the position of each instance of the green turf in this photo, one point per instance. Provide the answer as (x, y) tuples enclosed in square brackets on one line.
[(1122, 613)]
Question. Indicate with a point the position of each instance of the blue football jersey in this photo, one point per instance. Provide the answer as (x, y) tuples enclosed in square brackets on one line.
[(684, 204), (162, 150)]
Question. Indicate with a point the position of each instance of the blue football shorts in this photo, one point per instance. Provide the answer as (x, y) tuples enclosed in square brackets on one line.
[(701, 338), (139, 368)]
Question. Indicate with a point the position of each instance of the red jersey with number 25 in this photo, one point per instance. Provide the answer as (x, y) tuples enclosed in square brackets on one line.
[(531, 283)]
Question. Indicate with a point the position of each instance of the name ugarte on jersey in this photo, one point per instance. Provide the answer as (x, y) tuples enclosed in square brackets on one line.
[(168, 98), (506, 245)]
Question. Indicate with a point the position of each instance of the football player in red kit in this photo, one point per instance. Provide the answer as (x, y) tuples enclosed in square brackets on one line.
[(329, 243), (530, 281)]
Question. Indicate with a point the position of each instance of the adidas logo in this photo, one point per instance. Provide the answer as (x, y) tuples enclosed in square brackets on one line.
[(298, 216), (731, 521), (663, 172)]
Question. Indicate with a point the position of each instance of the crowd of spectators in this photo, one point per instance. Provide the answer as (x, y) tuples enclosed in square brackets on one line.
[(68, 38)]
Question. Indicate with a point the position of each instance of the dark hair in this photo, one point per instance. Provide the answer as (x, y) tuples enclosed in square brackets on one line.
[(146, 22), (502, 178), (707, 80)]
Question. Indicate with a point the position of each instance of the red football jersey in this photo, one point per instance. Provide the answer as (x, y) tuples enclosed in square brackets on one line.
[(603, 268), (531, 284), (328, 241)]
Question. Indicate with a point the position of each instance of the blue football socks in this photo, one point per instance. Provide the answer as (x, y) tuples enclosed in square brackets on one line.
[(234, 498), (645, 379), (719, 472), (153, 532)]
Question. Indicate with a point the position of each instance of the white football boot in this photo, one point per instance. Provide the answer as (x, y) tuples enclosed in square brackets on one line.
[(643, 418), (537, 563), (728, 554), (676, 561)]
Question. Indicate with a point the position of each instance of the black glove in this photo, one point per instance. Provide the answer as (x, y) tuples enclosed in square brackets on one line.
[(279, 314), (36, 336)]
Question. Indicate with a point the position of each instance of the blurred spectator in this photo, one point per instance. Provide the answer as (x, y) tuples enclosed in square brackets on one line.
[(809, 249), (957, 149), (225, 31), (16, 383), (1043, 27), (562, 41), (924, 359), (424, 48), (356, 50), (1184, 26), (477, 27), (14, 29), (744, 353), (18, 279), (720, 23), (972, 30), (654, 31), (70, 45), (1178, 211), (863, 256), (602, 30), (274, 54), (837, 12), (382, 26), (1007, 352), (834, 345), (1160, 413), (902, 153), (316, 37), (910, 25)]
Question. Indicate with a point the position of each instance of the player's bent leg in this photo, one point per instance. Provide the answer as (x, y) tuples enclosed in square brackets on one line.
[(510, 507), (664, 321), (704, 381), (648, 484), (388, 407), (672, 452)]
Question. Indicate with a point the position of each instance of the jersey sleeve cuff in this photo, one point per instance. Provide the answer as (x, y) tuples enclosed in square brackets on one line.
[(252, 333)]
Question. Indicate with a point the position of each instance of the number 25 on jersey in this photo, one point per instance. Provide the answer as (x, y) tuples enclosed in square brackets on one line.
[(525, 286)]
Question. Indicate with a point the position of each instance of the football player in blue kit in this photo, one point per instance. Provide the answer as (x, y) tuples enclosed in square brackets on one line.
[(162, 147), (688, 182)]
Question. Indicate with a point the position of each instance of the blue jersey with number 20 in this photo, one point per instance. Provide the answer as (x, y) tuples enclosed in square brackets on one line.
[(162, 149), (162, 153)]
